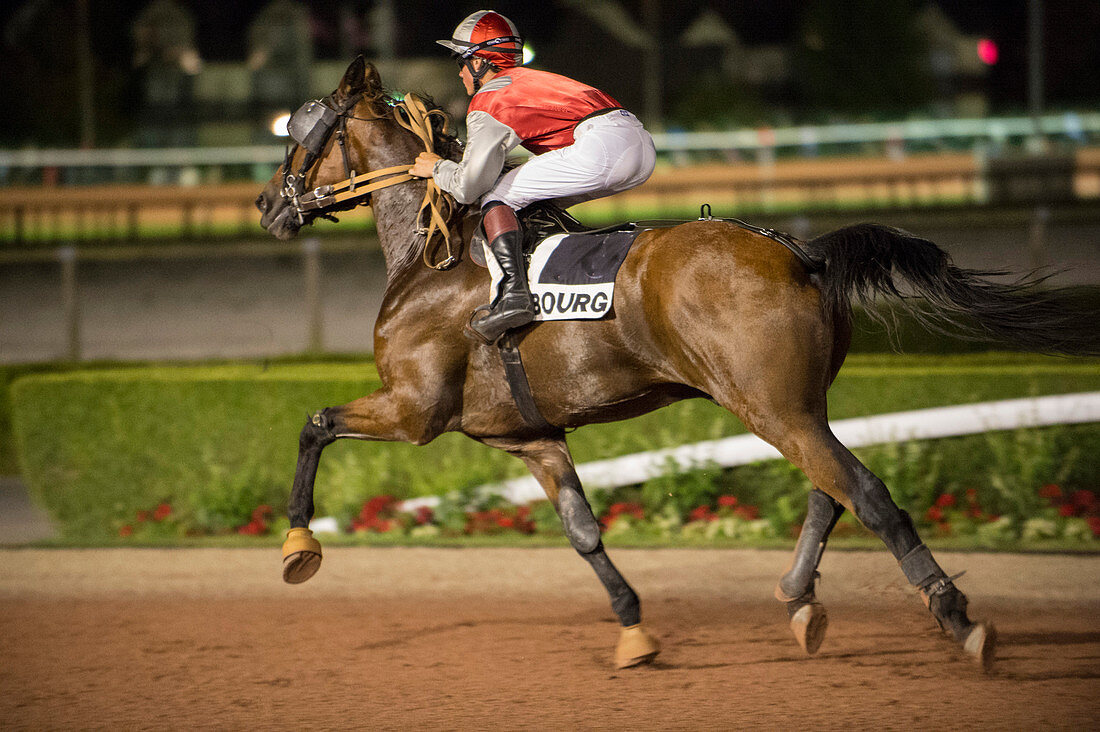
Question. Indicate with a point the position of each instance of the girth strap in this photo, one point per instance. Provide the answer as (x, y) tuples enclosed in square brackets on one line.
[(518, 383)]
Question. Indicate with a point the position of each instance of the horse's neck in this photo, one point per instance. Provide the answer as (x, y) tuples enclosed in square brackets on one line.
[(395, 215), (397, 209)]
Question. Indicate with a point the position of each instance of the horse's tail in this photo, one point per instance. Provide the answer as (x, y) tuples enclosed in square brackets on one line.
[(868, 260)]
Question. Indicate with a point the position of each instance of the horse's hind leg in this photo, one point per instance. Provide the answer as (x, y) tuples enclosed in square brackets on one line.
[(810, 444), (796, 588), (551, 464)]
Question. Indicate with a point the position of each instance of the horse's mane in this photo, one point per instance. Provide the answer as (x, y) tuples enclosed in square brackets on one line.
[(446, 144)]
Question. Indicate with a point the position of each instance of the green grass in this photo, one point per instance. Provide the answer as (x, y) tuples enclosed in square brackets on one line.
[(215, 441)]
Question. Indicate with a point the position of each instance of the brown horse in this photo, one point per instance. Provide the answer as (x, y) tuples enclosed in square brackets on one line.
[(704, 309)]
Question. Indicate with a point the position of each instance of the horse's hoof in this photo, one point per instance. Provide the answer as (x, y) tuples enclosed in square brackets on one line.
[(809, 625), (636, 647), (981, 644), (301, 556)]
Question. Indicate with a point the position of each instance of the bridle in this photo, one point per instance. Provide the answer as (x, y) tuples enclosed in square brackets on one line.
[(311, 126)]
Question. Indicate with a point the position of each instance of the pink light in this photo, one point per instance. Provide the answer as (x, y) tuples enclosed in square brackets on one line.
[(987, 51)]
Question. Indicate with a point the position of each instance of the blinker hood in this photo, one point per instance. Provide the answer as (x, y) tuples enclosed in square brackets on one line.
[(310, 125)]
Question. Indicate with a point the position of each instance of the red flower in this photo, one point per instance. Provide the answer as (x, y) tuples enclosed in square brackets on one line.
[(1066, 510), (126, 530), (1084, 499), (375, 506), (162, 512), (975, 512), (1094, 524), (749, 513), (935, 513), (702, 513), (727, 501), (1050, 491), (261, 512), (424, 515), (945, 500), (505, 522), (972, 495), (255, 527), (629, 509), (142, 516)]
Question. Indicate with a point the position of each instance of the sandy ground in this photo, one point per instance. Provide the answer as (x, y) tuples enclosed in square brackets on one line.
[(522, 639)]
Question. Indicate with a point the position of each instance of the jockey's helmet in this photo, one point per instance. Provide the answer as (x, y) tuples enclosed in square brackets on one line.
[(489, 35)]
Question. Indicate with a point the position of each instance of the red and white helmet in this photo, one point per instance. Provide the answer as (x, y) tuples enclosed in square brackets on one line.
[(489, 35)]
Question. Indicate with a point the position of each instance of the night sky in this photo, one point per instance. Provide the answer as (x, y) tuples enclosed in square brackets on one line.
[(1072, 33), (1072, 30)]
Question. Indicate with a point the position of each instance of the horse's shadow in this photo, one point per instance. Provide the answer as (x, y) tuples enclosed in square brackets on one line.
[(1009, 665)]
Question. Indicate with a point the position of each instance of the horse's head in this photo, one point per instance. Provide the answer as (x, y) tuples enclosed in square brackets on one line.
[(332, 137)]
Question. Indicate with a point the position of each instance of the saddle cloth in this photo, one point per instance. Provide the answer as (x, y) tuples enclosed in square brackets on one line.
[(572, 276)]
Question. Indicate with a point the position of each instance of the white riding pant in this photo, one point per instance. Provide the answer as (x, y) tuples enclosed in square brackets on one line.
[(610, 153)]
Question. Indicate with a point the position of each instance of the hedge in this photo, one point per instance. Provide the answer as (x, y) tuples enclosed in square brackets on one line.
[(215, 442)]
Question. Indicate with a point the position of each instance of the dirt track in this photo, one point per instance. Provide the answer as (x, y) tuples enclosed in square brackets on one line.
[(476, 639)]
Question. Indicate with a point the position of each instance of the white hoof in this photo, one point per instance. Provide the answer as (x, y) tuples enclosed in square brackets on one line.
[(981, 644), (301, 556), (636, 647), (809, 625)]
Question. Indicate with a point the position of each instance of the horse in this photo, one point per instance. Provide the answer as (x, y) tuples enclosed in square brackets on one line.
[(705, 309)]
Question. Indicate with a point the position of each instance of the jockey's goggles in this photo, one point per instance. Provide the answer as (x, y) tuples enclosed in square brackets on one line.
[(463, 51)]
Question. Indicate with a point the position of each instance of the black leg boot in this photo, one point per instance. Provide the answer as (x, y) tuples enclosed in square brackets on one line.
[(948, 605), (821, 516), (807, 616), (512, 307)]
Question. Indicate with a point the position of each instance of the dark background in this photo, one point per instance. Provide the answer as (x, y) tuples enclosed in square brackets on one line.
[(860, 74)]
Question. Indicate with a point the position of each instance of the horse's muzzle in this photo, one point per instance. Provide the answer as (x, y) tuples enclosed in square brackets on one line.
[(284, 225)]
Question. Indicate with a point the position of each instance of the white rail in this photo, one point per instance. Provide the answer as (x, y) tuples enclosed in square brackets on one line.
[(1075, 125), (920, 424)]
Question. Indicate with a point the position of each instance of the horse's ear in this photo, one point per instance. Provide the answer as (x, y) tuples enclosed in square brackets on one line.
[(361, 76), (373, 80)]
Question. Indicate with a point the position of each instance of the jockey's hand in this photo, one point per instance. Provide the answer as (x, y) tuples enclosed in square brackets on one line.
[(423, 165)]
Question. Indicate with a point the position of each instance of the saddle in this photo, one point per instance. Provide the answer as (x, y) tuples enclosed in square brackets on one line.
[(539, 220)]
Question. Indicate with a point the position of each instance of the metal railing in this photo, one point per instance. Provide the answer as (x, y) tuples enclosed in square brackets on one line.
[(48, 216), (215, 164)]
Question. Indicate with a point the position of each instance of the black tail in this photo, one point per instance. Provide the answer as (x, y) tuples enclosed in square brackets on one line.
[(865, 259)]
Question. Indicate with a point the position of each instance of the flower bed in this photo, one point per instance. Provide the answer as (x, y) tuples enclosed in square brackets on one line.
[(102, 449), (1072, 517)]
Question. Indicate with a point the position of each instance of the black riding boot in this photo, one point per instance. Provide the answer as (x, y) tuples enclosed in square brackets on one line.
[(512, 307)]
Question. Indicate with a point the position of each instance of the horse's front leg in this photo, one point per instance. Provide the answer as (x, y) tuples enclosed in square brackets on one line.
[(382, 415), (552, 465), (796, 588)]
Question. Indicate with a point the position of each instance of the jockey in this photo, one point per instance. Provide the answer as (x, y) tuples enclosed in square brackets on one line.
[(585, 146)]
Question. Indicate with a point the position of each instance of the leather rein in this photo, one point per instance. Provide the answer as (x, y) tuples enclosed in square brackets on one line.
[(436, 209)]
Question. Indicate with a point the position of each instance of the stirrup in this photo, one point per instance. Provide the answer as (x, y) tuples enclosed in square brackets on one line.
[(468, 329), (475, 324)]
